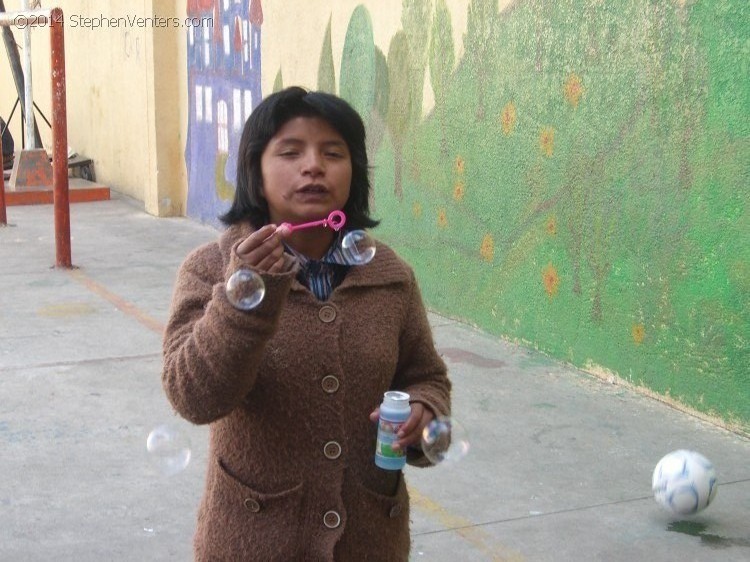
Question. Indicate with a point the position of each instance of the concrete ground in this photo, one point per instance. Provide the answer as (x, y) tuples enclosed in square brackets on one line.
[(559, 468)]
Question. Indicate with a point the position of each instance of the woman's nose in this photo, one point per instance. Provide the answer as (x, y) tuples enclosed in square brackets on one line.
[(313, 164)]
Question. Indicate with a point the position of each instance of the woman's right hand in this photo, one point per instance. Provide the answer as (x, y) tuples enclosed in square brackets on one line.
[(263, 249)]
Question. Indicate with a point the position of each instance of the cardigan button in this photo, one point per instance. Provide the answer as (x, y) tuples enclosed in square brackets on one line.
[(332, 450), (331, 519), (330, 384), (252, 504), (327, 313), (395, 511)]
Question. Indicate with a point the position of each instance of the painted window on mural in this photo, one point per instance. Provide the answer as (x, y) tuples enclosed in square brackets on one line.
[(206, 48), (238, 41), (225, 34), (222, 119), (209, 107), (199, 103), (248, 104), (237, 109), (245, 48)]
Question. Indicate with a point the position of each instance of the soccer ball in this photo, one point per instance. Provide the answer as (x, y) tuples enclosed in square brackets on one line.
[(684, 482)]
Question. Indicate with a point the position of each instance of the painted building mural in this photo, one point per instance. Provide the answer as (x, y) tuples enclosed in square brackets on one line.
[(224, 70), (577, 183)]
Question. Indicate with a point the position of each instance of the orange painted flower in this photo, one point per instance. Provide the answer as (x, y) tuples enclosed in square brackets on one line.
[(442, 219), (573, 89), (487, 250), (508, 118), (458, 190), (416, 209), (551, 226), (639, 333), (547, 141), (460, 165), (551, 280)]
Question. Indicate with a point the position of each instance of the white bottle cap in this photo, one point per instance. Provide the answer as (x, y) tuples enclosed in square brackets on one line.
[(396, 400)]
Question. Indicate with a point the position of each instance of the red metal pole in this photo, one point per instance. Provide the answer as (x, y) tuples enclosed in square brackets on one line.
[(3, 215), (60, 142)]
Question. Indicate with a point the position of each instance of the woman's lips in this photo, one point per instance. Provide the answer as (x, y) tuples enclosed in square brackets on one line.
[(312, 193), (313, 188)]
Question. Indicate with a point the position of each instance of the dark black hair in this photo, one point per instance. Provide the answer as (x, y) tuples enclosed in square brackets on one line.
[(265, 121)]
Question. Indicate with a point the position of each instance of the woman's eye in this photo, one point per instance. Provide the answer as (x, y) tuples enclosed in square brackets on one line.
[(334, 155)]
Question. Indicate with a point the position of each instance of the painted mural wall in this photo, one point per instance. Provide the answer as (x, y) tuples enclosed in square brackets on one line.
[(572, 175)]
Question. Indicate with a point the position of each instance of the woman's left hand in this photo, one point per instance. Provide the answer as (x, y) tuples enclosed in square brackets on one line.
[(411, 432)]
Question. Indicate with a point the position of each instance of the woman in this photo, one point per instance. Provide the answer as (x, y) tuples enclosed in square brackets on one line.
[(291, 388)]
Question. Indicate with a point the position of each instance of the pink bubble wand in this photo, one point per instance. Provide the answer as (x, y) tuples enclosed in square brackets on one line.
[(335, 220)]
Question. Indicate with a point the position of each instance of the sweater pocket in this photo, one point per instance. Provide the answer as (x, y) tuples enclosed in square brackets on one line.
[(240, 522), (388, 507), (377, 527)]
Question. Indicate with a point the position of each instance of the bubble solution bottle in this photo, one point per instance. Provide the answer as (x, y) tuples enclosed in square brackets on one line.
[(394, 411)]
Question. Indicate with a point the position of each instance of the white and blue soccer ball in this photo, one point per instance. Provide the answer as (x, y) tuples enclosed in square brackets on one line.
[(684, 482)]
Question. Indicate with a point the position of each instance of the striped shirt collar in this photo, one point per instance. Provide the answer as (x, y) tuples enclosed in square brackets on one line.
[(324, 275)]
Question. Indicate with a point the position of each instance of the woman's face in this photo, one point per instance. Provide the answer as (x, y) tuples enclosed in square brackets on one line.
[(307, 171)]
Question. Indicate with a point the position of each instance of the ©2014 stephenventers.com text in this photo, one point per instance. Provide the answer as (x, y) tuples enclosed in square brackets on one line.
[(154, 22)]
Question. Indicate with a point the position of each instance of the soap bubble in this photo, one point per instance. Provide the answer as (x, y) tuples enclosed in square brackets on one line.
[(245, 289), (444, 441), (358, 247), (169, 449)]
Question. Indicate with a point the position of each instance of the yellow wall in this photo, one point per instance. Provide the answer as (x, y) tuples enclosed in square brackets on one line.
[(125, 91)]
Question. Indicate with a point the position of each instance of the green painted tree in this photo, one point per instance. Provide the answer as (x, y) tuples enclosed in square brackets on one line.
[(278, 83), (479, 41), (326, 71), (357, 80), (382, 84), (442, 59), (377, 124), (399, 103), (415, 21), (364, 78)]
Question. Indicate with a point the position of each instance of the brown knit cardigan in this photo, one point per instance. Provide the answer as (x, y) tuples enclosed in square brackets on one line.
[(288, 389)]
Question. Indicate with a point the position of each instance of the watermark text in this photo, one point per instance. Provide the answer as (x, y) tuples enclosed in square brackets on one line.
[(78, 21), (135, 22)]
